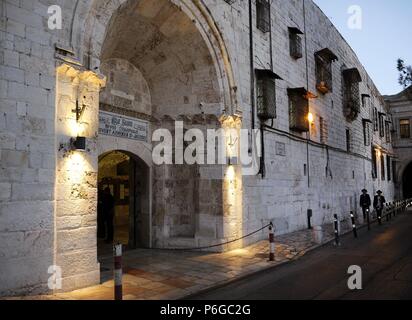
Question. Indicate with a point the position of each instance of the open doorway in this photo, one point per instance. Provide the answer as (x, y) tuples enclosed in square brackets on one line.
[(123, 212), (407, 182)]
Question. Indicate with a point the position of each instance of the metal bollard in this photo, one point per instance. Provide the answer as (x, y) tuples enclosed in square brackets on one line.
[(368, 219), (386, 212), (355, 232), (271, 243), (118, 273), (337, 240)]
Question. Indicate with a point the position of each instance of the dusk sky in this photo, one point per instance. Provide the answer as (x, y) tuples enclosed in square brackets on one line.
[(385, 36)]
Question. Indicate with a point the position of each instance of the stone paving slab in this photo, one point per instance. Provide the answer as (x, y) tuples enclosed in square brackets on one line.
[(151, 274)]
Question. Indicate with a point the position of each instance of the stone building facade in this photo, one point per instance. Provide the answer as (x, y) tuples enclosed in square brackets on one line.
[(175, 64), (401, 109)]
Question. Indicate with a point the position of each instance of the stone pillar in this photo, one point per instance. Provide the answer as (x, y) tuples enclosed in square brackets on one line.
[(232, 183), (76, 177)]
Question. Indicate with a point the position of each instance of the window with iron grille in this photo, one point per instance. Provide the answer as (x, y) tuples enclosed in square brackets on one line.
[(383, 167), (374, 163), (388, 167), (405, 128), (323, 62), (263, 15), (298, 109), (295, 43), (266, 94), (375, 120), (348, 140), (388, 131), (351, 94), (366, 132), (381, 124), (323, 129), (366, 101)]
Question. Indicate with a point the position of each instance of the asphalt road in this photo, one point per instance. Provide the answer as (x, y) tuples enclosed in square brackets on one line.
[(384, 254)]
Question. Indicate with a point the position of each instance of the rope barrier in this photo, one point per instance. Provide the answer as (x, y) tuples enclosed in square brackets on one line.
[(224, 243)]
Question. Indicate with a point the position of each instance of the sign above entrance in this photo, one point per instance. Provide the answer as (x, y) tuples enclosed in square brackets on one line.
[(111, 124)]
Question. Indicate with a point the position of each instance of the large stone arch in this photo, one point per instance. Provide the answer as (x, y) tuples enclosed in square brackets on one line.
[(90, 27)]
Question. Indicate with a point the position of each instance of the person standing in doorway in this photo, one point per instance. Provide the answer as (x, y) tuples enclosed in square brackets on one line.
[(365, 202), (378, 203), (108, 213)]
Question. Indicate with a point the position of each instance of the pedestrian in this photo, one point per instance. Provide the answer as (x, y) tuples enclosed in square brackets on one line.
[(378, 203), (108, 213), (365, 202)]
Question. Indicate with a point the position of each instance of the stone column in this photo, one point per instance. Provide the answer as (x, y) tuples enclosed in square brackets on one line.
[(76, 177), (232, 183)]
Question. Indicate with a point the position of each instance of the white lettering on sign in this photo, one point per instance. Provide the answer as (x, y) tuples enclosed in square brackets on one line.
[(111, 124)]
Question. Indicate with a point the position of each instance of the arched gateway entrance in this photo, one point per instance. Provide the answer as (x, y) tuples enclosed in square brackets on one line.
[(164, 61), (126, 176)]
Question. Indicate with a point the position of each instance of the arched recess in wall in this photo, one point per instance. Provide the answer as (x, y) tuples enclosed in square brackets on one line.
[(90, 30)]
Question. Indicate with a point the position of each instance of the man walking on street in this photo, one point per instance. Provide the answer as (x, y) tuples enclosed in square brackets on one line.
[(378, 203), (365, 202)]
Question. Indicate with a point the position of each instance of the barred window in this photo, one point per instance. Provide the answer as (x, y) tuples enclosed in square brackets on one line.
[(263, 15), (381, 124), (323, 60), (295, 42), (266, 94), (366, 101), (405, 128), (366, 132), (383, 167), (323, 131), (375, 120), (298, 109), (388, 131), (351, 94), (388, 167)]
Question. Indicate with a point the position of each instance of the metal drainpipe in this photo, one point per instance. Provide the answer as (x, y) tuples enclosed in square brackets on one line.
[(252, 66), (307, 87)]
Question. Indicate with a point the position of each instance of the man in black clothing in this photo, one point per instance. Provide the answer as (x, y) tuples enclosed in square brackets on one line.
[(108, 213), (365, 202), (378, 203)]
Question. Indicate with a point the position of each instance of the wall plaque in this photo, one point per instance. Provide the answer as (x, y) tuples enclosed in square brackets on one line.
[(111, 124)]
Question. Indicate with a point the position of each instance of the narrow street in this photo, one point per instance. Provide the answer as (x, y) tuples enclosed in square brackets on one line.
[(384, 254)]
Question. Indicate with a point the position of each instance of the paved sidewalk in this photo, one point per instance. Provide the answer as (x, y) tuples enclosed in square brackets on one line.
[(162, 274)]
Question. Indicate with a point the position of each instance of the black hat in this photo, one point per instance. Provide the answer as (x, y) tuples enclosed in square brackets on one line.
[(364, 190), (379, 191)]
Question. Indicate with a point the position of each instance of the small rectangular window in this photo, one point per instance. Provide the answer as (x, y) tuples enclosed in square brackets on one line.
[(295, 43), (395, 180), (298, 109), (388, 167), (263, 15), (405, 128), (323, 129), (388, 131), (383, 167), (375, 120), (381, 124), (348, 141), (374, 163), (366, 132)]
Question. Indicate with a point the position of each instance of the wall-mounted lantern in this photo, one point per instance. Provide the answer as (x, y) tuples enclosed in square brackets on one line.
[(78, 143)]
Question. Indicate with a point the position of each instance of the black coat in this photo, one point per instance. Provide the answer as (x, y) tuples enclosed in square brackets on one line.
[(375, 201), (365, 201)]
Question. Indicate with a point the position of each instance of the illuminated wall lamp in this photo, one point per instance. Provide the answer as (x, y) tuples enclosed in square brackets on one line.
[(78, 143), (232, 161)]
